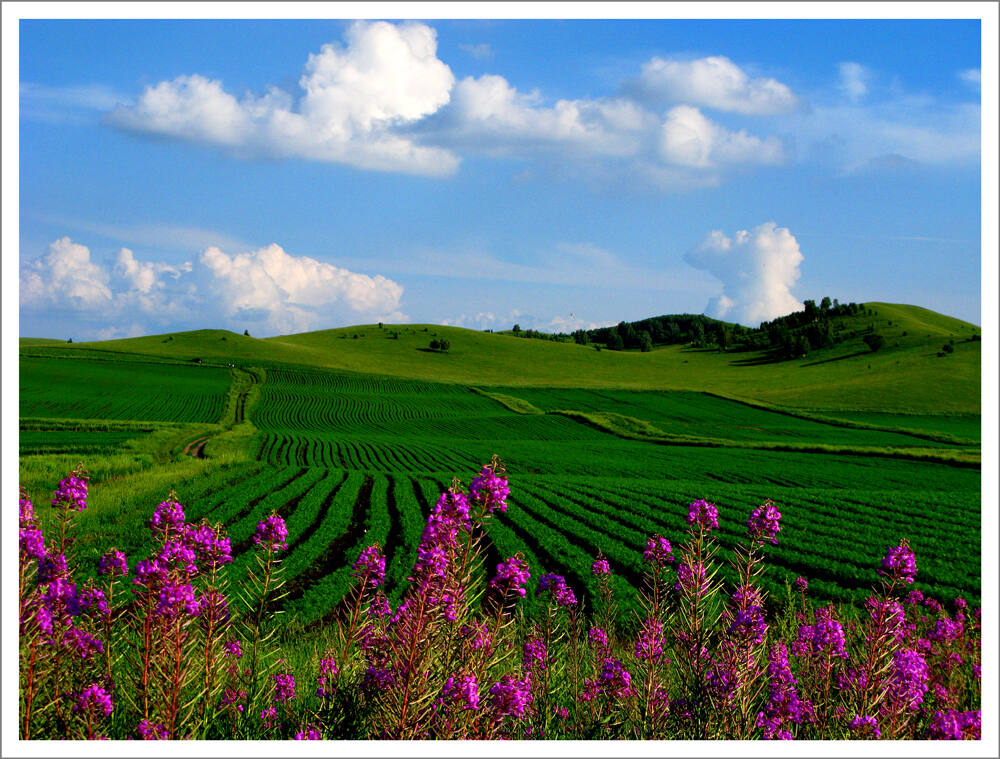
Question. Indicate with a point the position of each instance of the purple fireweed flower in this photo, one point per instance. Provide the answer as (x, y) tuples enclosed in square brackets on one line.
[(31, 543), (83, 644), (72, 492), (478, 635), (597, 637), (92, 601), (379, 607), (463, 691), (233, 700), (899, 563), (113, 563), (691, 579), (705, 514), (615, 681), (370, 566), (914, 598), (555, 585), (491, 490), (25, 510), (649, 643), (168, 517), (151, 731), (432, 562), (534, 655), (94, 700), (748, 624), (961, 603), (271, 534), (61, 599), (176, 598), (658, 551), (52, 566), (452, 508), (378, 678), (783, 705), (864, 727), (946, 630), (328, 671), (600, 567), (764, 523), (510, 697), (801, 584), (944, 726), (211, 546), (932, 605), (825, 637), (908, 679), (308, 733), (284, 686), (177, 555), (511, 576), (233, 649), (267, 716)]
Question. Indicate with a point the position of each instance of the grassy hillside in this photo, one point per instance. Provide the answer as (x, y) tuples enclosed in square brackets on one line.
[(906, 376)]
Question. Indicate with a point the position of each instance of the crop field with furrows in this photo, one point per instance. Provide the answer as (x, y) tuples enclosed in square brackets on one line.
[(350, 459), (705, 415), (92, 389)]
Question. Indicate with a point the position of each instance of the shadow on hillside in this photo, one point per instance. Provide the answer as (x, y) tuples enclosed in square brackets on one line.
[(760, 359), (430, 350), (838, 358)]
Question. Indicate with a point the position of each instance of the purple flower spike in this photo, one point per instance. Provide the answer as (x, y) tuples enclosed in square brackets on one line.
[(169, 515), (764, 523), (491, 490), (658, 551), (94, 700), (271, 534), (284, 686), (113, 563), (600, 567), (72, 492), (800, 584), (555, 585), (510, 697), (705, 514), (899, 563), (511, 575), (371, 565)]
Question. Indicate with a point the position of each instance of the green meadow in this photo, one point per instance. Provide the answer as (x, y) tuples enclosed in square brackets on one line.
[(351, 434)]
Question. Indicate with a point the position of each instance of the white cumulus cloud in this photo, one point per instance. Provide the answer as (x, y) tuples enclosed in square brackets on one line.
[(65, 277), (288, 292), (757, 268), (714, 82), (688, 138), (355, 97)]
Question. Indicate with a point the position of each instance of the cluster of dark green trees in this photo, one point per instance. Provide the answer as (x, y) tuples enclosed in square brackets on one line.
[(791, 336)]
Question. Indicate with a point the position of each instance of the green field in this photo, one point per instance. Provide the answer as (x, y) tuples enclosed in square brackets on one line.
[(352, 439)]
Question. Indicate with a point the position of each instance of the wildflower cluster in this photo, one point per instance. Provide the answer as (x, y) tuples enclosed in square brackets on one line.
[(162, 649)]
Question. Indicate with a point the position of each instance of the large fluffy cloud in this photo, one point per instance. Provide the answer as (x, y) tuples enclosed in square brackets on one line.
[(296, 292), (267, 289), (355, 97), (65, 277), (756, 269), (714, 82)]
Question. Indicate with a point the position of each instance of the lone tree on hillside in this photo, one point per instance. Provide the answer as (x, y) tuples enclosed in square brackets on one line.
[(874, 341), (441, 345)]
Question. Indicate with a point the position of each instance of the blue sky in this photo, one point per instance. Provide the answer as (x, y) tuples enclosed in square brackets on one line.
[(282, 176)]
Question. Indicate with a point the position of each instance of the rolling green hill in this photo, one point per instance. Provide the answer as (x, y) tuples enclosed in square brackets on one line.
[(906, 376)]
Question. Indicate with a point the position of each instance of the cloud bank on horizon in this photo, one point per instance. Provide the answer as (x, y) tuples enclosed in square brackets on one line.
[(267, 291)]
